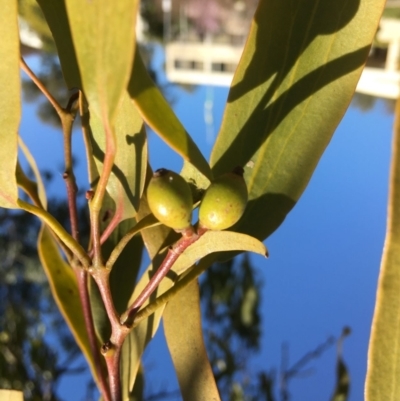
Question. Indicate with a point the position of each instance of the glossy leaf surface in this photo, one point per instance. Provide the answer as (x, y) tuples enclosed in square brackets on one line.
[(383, 372), (10, 102), (64, 288), (159, 115), (183, 332), (296, 77)]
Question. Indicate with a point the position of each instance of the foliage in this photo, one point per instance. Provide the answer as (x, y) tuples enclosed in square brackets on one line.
[(293, 84)]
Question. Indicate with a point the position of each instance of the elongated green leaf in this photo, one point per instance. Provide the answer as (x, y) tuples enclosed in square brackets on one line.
[(132, 352), (296, 77), (57, 20), (10, 102), (217, 241), (127, 179), (41, 192), (158, 114), (64, 288), (103, 33), (384, 352), (11, 395), (183, 332)]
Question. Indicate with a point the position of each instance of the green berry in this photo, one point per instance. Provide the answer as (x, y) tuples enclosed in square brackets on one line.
[(170, 199), (224, 201)]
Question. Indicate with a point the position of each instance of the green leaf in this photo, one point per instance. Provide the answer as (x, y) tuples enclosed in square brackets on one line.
[(127, 179), (296, 77), (157, 113), (217, 241), (183, 332), (382, 383), (11, 395), (64, 288), (10, 102), (57, 20), (103, 34), (38, 186)]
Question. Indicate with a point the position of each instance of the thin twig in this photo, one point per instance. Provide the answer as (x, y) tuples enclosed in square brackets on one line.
[(112, 349), (173, 254), (67, 120), (116, 219), (41, 87), (96, 203), (167, 295), (69, 176), (82, 278), (146, 222)]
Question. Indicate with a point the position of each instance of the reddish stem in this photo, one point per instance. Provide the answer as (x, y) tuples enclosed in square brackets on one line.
[(173, 254), (82, 278), (112, 349), (67, 119)]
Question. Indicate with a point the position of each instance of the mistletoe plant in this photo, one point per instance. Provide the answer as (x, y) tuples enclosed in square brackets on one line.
[(296, 77)]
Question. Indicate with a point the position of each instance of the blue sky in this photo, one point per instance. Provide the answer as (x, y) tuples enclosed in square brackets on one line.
[(324, 259)]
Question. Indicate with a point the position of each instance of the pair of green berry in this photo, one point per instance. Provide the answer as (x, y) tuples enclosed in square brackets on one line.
[(223, 203)]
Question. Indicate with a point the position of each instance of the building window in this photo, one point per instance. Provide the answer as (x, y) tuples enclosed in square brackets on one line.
[(188, 65), (223, 67)]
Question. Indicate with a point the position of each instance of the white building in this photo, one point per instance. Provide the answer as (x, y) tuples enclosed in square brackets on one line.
[(207, 62)]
